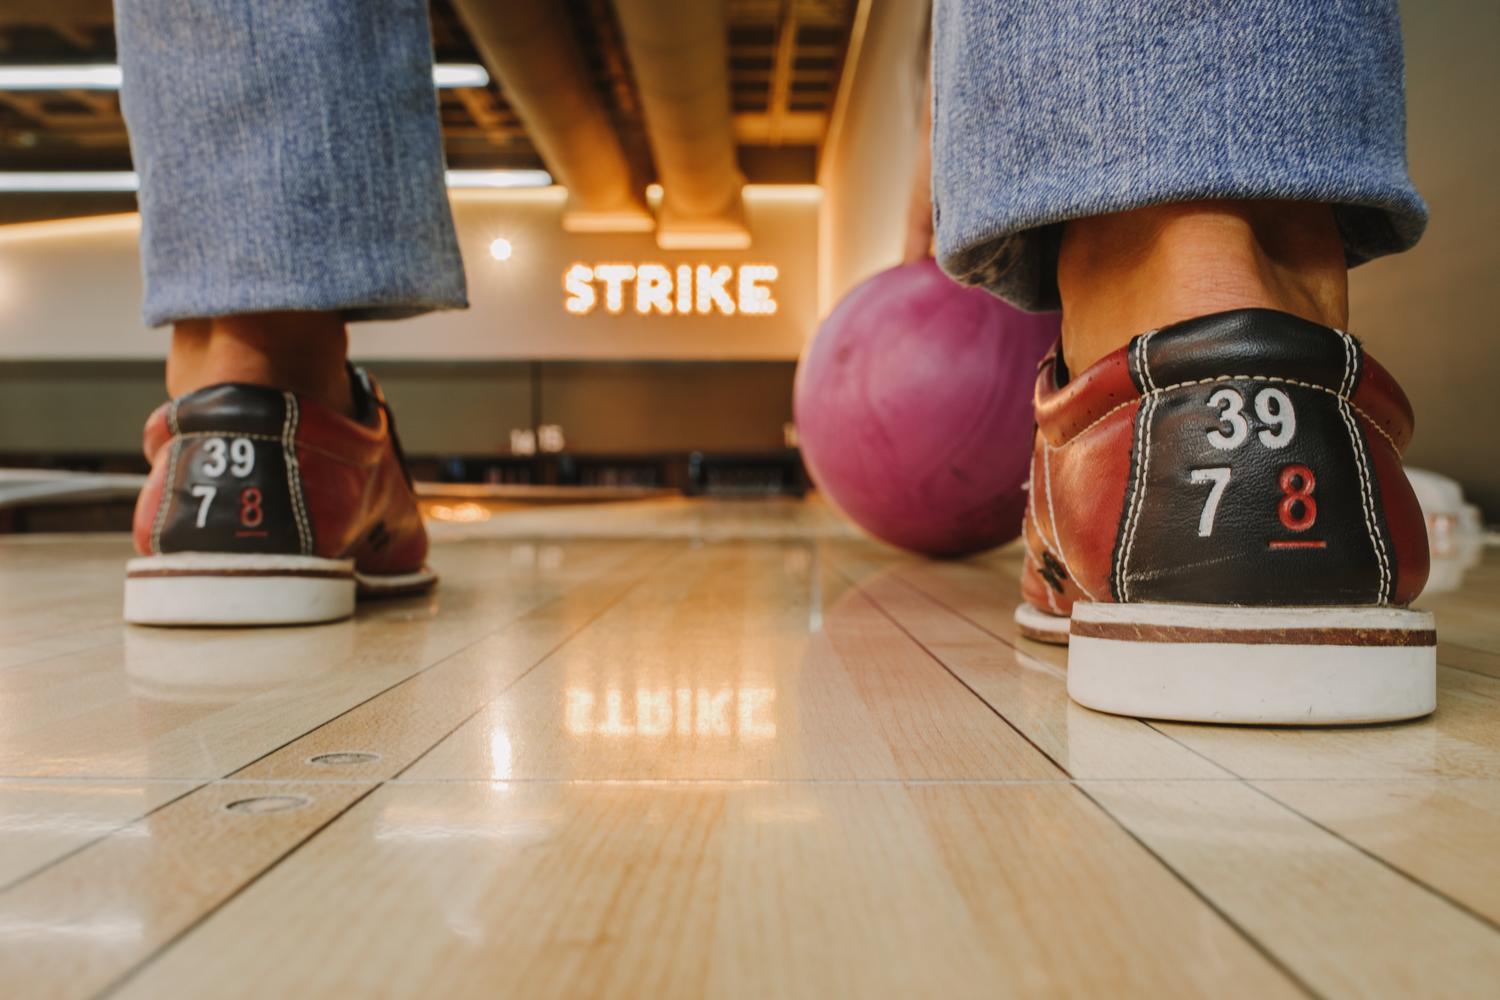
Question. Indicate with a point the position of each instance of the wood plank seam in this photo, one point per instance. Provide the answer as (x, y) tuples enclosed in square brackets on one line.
[(140, 966), (1254, 942), (200, 785)]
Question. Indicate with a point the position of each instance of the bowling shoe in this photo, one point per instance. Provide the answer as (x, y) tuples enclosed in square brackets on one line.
[(1220, 528), (267, 508)]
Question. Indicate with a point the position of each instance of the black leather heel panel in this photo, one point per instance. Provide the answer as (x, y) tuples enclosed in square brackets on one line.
[(250, 513), (230, 489), (1248, 342), (1261, 548), (233, 408)]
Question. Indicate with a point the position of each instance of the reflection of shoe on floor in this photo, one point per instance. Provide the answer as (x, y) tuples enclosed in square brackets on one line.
[(1220, 527), (266, 508)]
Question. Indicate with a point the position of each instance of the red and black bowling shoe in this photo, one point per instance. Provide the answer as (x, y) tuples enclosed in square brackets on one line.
[(266, 508), (1220, 527)]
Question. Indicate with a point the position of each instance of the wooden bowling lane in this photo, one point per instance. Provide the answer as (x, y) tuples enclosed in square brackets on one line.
[(713, 889), (1442, 834), (75, 927), (1468, 638), (42, 821), (334, 762), (776, 668), (78, 609), (951, 609), (765, 519), (687, 748), (1345, 922), (199, 703), (1461, 740)]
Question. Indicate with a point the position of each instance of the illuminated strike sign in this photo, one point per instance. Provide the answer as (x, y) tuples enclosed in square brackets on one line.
[(685, 290)]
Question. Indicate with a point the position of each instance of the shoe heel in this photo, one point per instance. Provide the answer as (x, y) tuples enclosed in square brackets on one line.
[(210, 588), (1250, 665)]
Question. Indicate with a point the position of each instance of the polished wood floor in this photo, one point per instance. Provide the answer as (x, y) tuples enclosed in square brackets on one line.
[(703, 749)]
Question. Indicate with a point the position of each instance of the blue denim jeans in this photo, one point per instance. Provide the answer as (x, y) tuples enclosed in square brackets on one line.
[(289, 156), (1049, 110)]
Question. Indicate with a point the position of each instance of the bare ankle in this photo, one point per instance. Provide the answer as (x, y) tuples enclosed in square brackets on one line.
[(1133, 271), (303, 352)]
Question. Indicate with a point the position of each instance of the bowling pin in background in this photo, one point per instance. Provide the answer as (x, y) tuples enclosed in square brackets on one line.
[(522, 441), (913, 409), (550, 439), (1455, 531)]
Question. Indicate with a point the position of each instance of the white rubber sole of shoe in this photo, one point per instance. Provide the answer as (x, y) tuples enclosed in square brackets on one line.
[(205, 588), (1037, 625), (1255, 666)]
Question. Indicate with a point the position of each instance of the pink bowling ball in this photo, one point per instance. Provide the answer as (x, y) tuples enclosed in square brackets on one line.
[(913, 409)]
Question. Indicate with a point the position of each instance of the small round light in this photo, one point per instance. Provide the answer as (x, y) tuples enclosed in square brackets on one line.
[(500, 249)]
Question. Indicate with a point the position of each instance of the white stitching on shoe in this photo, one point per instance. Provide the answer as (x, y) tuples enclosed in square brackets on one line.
[(294, 472), (1143, 464), (1031, 487), (1052, 518), (1345, 383), (169, 490), (1148, 411), (1146, 361), (1367, 503), (1031, 510), (257, 437)]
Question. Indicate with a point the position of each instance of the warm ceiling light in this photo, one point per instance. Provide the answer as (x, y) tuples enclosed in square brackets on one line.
[(500, 248), (106, 76), (63, 181)]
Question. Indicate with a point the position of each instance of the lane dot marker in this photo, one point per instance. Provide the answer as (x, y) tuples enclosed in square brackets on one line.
[(268, 804), (344, 757)]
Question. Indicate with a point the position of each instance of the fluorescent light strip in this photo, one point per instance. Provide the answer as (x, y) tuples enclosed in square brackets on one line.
[(100, 77), (498, 179), (446, 75), (59, 182), (104, 76)]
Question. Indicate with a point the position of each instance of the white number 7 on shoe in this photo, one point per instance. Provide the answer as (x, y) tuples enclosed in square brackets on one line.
[(1220, 479), (205, 495)]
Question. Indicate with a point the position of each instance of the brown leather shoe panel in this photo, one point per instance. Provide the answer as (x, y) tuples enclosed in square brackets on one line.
[(1404, 520)]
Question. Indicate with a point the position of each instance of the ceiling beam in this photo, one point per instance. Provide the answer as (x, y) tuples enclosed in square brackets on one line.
[(796, 128), (781, 73), (480, 108)]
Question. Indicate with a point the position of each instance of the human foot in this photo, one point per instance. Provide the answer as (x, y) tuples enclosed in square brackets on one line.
[(1151, 267), (268, 507), (1220, 509), (303, 352)]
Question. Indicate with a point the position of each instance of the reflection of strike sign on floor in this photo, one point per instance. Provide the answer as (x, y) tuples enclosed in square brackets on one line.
[(728, 290), (743, 712)]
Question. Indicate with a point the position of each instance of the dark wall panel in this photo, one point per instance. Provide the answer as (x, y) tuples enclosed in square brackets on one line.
[(457, 408), (626, 407), (443, 408)]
